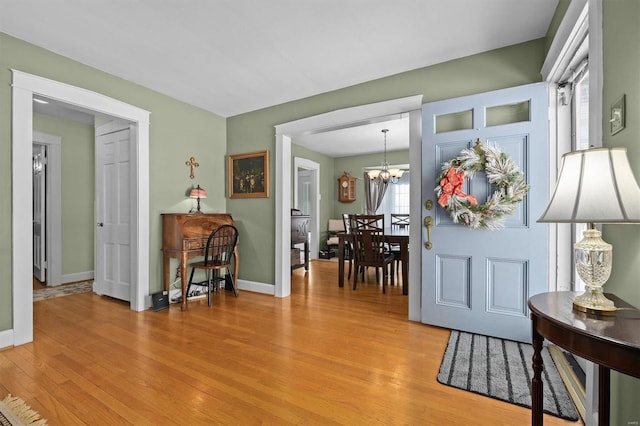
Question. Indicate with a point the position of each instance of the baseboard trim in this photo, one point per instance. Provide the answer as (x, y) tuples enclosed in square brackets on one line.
[(571, 381), (78, 276), (256, 287), (6, 339)]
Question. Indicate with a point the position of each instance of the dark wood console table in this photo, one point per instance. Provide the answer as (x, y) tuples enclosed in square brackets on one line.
[(184, 236), (611, 342)]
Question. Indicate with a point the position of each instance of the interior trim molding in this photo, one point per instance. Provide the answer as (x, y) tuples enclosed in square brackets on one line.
[(285, 132), (24, 86)]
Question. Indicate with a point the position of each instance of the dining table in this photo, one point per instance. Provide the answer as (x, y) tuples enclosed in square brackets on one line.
[(399, 236)]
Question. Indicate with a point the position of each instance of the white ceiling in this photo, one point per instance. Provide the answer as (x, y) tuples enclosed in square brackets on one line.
[(235, 56)]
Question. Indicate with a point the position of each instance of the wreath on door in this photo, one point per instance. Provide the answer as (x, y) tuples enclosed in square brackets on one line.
[(503, 174)]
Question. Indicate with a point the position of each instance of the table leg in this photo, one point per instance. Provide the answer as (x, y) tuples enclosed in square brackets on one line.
[(604, 382), (404, 258), (340, 262), (183, 280), (536, 381), (165, 269)]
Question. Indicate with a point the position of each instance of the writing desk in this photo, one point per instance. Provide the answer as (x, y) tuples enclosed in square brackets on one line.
[(391, 236), (184, 236), (611, 342)]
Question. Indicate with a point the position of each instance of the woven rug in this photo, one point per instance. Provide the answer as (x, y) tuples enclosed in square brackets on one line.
[(62, 290), (14, 412), (501, 369)]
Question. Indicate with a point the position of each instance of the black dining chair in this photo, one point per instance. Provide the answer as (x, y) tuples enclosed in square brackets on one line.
[(398, 221), (219, 254), (369, 247)]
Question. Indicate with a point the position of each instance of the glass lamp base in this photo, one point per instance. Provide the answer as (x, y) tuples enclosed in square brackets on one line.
[(593, 258), (593, 301)]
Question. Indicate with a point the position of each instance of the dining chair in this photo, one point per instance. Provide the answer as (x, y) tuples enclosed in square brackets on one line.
[(373, 227), (348, 246), (218, 255), (398, 221), (369, 249)]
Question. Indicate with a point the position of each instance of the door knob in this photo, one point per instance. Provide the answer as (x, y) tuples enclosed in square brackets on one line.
[(100, 224), (428, 223)]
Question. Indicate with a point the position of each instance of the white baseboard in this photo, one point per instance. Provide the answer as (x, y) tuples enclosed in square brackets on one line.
[(78, 276), (256, 287), (6, 338)]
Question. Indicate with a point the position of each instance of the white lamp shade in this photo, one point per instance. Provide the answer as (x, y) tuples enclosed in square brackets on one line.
[(373, 174), (595, 186)]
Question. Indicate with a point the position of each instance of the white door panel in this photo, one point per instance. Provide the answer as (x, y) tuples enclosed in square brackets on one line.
[(479, 280), (113, 212)]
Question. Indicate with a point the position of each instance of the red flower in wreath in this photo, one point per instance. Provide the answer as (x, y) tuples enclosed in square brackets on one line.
[(451, 184)]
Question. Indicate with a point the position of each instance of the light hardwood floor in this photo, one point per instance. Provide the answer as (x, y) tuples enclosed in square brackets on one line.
[(322, 356)]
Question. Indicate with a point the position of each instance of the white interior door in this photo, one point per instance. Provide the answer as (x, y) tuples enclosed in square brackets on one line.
[(479, 280), (114, 158), (39, 212)]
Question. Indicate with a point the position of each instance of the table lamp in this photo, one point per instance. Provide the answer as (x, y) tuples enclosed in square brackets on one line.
[(198, 193), (594, 186)]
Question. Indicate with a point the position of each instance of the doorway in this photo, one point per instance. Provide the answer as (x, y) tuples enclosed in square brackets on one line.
[(306, 197), (52, 209), (287, 131), (24, 87)]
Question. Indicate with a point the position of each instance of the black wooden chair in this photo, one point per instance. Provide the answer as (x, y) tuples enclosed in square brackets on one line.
[(398, 221), (369, 247), (369, 250), (218, 255)]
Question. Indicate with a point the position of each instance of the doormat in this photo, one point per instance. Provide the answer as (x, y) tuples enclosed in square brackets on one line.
[(15, 412), (62, 290), (501, 369)]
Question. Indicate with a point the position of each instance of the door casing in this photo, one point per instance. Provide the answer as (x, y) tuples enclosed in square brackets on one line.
[(24, 86)]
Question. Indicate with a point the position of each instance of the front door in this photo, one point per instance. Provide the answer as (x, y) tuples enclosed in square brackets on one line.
[(113, 211), (479, 280)]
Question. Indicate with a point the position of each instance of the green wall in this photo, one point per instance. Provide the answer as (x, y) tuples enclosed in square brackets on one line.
[(621, 71), (326, 186), (177, 132), (78, 188), (497, 69), (355, 165), (330, 170)]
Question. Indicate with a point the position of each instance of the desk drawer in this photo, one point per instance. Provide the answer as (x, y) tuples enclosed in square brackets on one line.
[(194, 244)]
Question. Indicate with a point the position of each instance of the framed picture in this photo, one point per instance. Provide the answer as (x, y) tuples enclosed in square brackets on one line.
[(248, 175)]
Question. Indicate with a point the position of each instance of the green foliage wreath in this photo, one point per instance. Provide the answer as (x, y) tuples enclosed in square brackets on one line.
[(502, 173)]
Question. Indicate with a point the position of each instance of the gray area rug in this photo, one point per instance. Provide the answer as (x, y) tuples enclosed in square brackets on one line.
[(501, 369), (62, 290)]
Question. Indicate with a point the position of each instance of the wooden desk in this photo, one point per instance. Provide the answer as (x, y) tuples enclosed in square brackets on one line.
[(184, 236), (611, 342), (391, 236)]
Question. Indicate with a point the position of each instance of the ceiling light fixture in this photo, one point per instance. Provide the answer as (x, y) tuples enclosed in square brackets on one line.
[(385, 174)]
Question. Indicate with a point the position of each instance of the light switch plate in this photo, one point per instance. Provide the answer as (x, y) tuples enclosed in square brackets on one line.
[(617, 115)]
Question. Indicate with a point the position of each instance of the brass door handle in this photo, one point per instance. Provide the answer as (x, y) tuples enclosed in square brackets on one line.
[(428, 223)]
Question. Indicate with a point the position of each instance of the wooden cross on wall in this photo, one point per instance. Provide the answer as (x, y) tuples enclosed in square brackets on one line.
[(192, 163)]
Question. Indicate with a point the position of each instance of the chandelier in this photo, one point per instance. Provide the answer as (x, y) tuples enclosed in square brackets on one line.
[(385, 174)]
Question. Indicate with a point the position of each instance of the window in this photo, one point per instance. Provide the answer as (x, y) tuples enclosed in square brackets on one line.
[(580, 140), (396, 199)]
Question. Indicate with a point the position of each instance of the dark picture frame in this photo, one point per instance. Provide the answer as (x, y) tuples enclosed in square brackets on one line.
[(248, 175)]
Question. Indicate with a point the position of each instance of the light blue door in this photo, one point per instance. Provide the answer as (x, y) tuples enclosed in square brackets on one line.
[(479, 280)]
